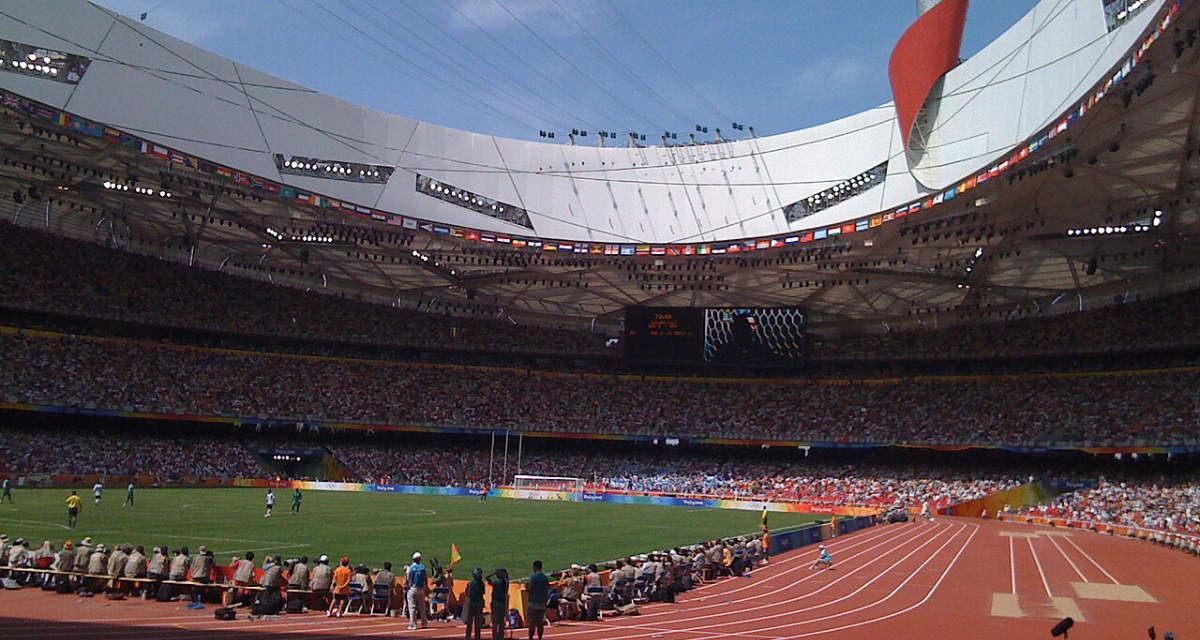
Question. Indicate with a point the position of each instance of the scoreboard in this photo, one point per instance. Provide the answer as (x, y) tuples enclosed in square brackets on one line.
[(749, 336), (663, 334)]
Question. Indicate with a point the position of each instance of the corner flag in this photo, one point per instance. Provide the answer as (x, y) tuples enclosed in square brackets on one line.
[(455, 556)]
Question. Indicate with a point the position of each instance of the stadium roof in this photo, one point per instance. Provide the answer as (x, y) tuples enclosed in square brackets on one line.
[(1067, 213)]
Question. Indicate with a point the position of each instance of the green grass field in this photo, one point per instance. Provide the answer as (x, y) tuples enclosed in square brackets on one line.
[(373, 527)]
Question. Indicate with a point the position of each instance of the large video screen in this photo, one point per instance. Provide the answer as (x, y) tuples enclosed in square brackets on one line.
[(748, 336), (663, 334), (754, 336)]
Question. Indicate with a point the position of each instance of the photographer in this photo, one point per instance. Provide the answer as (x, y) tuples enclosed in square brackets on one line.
[(499, 608)]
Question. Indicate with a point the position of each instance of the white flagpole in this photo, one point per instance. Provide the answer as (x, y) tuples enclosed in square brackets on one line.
[(491, 460)]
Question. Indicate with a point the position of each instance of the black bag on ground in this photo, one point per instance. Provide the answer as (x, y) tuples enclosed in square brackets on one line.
[(64, 587), (225, 613), (165, 593), (270, 603), (294, 605)]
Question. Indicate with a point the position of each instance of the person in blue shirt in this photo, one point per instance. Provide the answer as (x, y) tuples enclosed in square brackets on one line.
[(825, 559), (416, 582)]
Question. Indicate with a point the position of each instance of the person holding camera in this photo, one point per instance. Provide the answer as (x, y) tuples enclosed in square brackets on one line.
[(499, 583)]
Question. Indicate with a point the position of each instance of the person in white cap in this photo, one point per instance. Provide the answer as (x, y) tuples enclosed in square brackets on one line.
[(416, 582), (825, 559)]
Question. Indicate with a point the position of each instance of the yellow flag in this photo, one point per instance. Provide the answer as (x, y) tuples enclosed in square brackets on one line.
[(455, 556)]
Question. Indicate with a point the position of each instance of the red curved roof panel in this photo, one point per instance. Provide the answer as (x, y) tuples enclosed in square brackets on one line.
[(926, 51)]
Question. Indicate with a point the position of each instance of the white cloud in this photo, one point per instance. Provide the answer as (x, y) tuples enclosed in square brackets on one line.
[(540, 15), (829, 79)]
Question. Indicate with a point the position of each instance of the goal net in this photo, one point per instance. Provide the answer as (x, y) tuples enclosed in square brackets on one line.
[(548, 483)]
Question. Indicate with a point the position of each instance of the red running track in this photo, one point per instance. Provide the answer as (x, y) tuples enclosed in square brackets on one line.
[(918, 580)]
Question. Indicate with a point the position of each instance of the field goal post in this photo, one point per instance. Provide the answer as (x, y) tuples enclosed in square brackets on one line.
[(548, 483)]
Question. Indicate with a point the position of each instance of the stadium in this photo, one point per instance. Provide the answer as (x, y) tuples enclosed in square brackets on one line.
[(931, 369)]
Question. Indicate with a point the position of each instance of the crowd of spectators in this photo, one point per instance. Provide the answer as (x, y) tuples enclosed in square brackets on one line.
[(1164, 322), (1148, 408), (97, 452), (818, 483), (40, 271), (1171, 505)]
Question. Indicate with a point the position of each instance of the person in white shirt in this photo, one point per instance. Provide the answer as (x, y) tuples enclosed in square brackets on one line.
[(270, 502), (97, 489)]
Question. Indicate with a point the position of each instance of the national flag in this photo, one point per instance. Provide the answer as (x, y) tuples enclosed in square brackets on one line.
[(88, 128), (409, 223), (819, 234), (862, 225), (762, 244), (441, 231), (520, 242), (503, 240), (627, 250), (487, 237)]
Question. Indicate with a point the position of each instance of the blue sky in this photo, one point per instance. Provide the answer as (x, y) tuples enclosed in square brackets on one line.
[(514, 67)]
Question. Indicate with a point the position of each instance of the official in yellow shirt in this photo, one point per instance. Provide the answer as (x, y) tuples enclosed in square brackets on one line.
[(73, 504)]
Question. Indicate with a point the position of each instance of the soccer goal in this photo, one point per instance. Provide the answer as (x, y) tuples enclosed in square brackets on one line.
[(548, 483)]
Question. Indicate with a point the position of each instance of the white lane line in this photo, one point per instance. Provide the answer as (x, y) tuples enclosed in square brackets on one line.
[(902, 611), (719, 634), (758, 596), (1068, 558), (41, 523), (726, 614), (257, 549), (1039, 568), (1093, 561), (1012, 564)]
